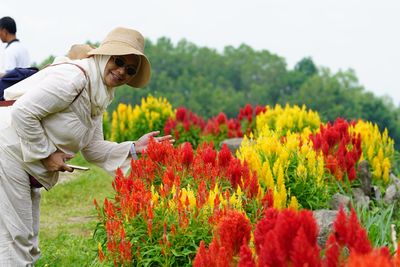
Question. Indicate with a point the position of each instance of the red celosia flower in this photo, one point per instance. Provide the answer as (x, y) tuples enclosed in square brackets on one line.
[(187, 154), (246, 257), (202, 258), (340, 226), (264, 226), (396, 260), (173, 229), (168, 179), (165, 233), (159, 152), (310, 228), (209, 156), (223, 259), (286, 227), (260, 109), (170, 124), (202, 194), (125, 251), (357, 238), (271, 254), (221, 118), (287, 238), (252, 186), (347, 233), (181, 114), (234, 229), (109, 209), (149, 227), (332, 252), (303, 252), (341, 149), (375, 258), (224, 156), (234, 174)]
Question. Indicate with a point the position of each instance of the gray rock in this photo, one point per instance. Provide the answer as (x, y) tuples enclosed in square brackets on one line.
[(376, 193), (390, 194), (339, 200), (365, 176), (324, 219), (232, 143), (360, 199), (395, 180)]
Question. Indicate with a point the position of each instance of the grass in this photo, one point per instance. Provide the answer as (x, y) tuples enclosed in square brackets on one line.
[(377, 220), (68, 218)]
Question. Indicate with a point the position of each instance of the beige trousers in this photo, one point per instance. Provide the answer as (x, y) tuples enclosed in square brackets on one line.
[(19, 215)]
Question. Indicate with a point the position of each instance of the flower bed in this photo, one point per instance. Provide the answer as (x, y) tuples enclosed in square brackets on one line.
[(180, 207), (194, 205)]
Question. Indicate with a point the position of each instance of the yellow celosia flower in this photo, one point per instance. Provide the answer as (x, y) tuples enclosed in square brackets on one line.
[(386, 165), (235, 201), (266, 175), (154, 196), (212, 195), (114, 126), (293, 203), (188, 192), (301, 171), (377, 147), (271, 155), (290, 118), (132, 122)]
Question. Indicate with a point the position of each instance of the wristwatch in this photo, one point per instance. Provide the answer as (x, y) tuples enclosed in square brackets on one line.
[(132, 150)]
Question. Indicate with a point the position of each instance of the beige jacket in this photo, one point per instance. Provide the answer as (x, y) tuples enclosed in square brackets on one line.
[(54, 113)]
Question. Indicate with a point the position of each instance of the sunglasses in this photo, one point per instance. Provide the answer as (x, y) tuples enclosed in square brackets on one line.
[(120, 62)]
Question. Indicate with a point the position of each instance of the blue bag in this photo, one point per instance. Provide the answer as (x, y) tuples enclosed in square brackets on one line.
[(14, 76)]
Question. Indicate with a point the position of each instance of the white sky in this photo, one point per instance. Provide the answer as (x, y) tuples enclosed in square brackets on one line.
[(339, 34)]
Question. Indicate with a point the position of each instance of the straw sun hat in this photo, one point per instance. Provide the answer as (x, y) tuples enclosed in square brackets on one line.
[(123, 41)]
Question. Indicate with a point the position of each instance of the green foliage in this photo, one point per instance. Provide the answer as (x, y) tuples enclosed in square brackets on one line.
[(182, 245), (377, 222), (192, 135), (309, 194), (396, 163)]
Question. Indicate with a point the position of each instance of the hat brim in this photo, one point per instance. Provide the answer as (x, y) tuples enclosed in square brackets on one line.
[(142, 77)]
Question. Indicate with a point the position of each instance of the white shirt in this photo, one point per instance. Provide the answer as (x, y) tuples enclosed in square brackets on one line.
[(15, 56), (54, 113)]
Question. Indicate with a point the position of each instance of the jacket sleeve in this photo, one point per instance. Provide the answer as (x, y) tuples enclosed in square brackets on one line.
[(105, 154), (50, 92)]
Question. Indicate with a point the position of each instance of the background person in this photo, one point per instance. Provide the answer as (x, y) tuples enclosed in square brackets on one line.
[(59, 115), (15, 54)]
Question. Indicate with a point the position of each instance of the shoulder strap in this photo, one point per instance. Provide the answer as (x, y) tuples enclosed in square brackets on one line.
[(82, 69), (7, 103)]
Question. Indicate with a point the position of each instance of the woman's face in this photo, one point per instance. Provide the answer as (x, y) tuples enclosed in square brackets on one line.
[(120, 69)]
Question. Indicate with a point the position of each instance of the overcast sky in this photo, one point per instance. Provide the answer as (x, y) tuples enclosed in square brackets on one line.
[(363, 35)]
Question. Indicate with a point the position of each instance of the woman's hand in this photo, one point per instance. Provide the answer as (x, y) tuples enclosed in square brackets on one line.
[(142, 142), (56, 162)]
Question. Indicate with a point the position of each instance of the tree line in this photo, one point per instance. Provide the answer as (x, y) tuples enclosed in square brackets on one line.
[(207, 82)]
